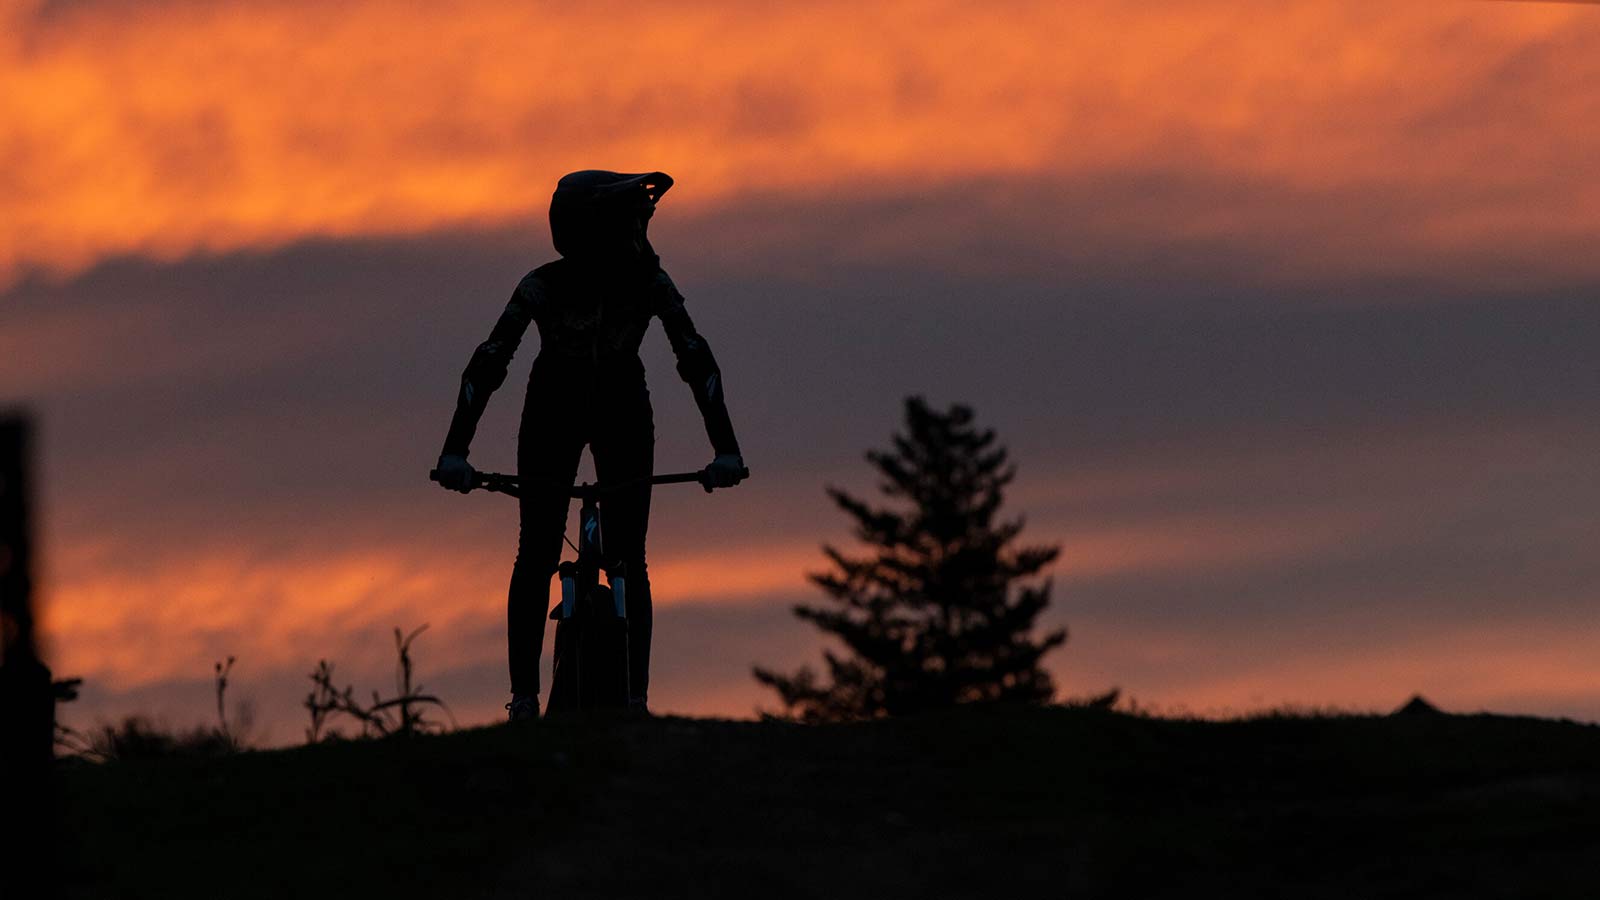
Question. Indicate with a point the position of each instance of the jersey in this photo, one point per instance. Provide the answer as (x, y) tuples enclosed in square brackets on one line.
[(591, 326)]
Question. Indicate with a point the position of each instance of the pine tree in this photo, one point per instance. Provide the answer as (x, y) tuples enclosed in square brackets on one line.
[(929, 616)]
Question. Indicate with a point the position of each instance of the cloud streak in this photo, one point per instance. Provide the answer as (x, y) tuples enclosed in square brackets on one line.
[(173, 128)]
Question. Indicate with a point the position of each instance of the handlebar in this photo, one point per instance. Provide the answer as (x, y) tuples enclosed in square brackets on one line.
[(512, 485)]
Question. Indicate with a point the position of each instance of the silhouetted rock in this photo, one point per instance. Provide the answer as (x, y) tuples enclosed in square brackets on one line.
[(1417, 706)]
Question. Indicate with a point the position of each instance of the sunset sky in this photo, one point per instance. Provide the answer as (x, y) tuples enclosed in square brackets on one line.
[(1286, 310)]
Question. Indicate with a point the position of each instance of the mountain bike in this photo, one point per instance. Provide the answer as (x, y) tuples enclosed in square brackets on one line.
[(589, 668)]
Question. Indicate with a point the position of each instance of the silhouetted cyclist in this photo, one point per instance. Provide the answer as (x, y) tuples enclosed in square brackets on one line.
[(592, 307)]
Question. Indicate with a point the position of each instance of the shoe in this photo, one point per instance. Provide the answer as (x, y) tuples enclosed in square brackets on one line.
[(637, 708), (523, 708)]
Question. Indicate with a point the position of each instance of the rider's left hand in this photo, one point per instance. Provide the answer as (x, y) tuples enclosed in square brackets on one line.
[(726, 470), (455, 473)]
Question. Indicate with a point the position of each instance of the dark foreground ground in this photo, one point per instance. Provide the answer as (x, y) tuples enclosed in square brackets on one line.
[(980, 803)]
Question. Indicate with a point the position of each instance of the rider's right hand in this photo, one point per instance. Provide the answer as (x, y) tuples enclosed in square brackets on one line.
[(455, 473)]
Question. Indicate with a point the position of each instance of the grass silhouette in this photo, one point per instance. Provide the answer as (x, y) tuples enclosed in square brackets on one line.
[(401, 714), (968, 803), (139, 737)]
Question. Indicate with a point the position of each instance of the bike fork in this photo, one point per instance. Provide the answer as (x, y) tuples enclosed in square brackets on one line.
[(580, 577)]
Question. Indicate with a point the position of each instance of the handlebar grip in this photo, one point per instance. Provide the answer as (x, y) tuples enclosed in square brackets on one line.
[(704, 476), (477, 478)]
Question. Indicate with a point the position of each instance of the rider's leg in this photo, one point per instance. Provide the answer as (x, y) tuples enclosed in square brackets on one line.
[(624, 449), (545, 452)]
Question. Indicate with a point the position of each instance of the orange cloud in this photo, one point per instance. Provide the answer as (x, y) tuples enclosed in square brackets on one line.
[(130, 623), (133, 621), (134, 617), (166, 129), (1542, 669)]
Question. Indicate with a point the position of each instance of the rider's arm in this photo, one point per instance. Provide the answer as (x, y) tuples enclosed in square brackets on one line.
[(487, 370), (696, 366)]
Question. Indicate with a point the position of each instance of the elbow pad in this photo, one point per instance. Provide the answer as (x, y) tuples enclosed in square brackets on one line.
[(486, 371), (696, 364), (699, 370)]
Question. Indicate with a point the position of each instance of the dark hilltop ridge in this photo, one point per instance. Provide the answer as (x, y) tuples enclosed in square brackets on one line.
[(979, 802)]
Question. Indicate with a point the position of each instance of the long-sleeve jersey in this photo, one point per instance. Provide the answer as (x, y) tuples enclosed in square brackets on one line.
[(590, 328)]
